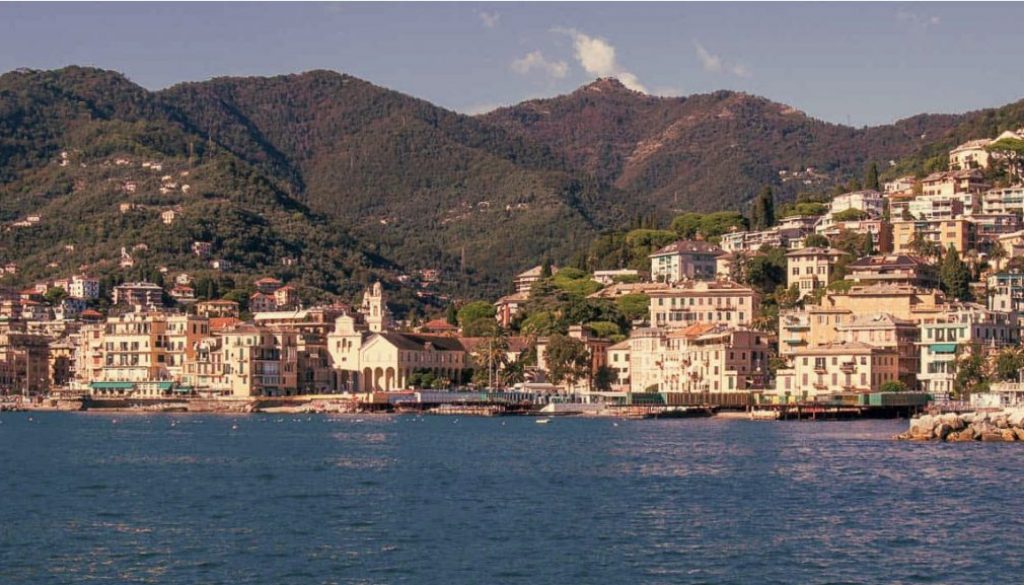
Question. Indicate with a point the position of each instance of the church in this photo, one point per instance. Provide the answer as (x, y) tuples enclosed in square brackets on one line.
[(368, 355)]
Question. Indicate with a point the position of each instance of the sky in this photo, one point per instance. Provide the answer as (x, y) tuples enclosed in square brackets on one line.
[(858, 64)]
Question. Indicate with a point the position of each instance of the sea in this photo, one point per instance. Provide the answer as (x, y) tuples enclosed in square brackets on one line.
[(439, 500)]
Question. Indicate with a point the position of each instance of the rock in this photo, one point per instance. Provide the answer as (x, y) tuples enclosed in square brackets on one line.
[(942, 431), (1009, 436), (1019, 433), (1000, 422), (953, 421), (967, 417), (966, 434), (991, 437)]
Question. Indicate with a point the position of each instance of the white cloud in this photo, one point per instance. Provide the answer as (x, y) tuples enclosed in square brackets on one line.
[(715, 64), (918, 21), (535, 61), (597, 57), (490, 19)]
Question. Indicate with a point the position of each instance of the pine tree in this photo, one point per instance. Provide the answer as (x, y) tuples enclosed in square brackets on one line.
[(545, 269), (955, 276), (871, 178), (762, 212), (452, 315)]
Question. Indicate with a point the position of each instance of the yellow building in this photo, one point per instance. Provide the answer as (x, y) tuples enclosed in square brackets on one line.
[(962, 234), (970, 155), (259, 361), (690, 302), (835, 368), (135, 348), (811, 268)]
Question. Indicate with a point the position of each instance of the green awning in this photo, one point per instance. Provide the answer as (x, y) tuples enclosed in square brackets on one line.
[(943, 347), (112, 385)]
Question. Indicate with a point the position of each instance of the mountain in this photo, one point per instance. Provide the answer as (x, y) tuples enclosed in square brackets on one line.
[(705, 152), (427, 186), (99, 160), (331, 180)]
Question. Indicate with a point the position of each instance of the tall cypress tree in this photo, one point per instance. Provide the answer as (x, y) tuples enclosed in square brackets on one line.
[(955, 276), (871, 178), (762, 212)]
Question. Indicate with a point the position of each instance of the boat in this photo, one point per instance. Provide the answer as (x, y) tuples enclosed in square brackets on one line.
[(542, 421), (764, 415)]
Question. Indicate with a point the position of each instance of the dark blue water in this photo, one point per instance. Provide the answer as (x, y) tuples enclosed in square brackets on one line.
[(278, 500)]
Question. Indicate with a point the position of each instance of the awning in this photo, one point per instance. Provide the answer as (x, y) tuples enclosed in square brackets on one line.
[(943, 348)]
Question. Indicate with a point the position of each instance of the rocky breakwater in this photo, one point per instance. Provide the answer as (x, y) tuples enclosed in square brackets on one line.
[(1001, 426)]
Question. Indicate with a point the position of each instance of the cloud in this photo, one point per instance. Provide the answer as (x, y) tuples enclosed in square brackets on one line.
[(597, 57), (490, 19), (918, 21), (535, 61), (715, 64)]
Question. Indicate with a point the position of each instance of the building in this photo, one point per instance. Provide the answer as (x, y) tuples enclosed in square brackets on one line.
[(714, 358), (950, 183), (618, 361), (810, 269), (217, 308), (788, 233), (690, 302), (868, 201), (962, 234), (900, 186), (887, 332), (286, 297), (970, 155), (145, 294), (880, 230), (838, 368), (819, 324), (610, 276), (962, 328), (84, 287), (135, 347), (259, 361), (896, 269), (439, 327), (24, 362), (685, 260), (267, 285), (262, 302), (990, 227), (1006, 292), (524, 280), (938, 207), (509, 306), (1003, 200), (183, 334), (202, 249), (368, 356)]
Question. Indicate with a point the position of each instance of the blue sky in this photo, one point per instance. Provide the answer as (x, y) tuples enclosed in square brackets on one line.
[(847, 63)]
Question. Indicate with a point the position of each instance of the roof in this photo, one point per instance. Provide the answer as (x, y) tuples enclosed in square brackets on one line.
[(875, 319), (519, 297), (413, 342), (90, 314), (221, 323), (816, 252), (695, 330), (220, 302), (891, 261), (535, 271), (516, 344), (689, 247), (439, 325), (624, 344)]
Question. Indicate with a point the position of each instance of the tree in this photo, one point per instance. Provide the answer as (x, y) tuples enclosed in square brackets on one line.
[(451, 315), (955, 276), (1012, 150), (970, 371), (545, 268), (472, 316), (816, 241), (604, 377), (55, 295), (871, 178), (762, 213), (893, 386), (568, 359), (1008, 364), (634, 307)]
